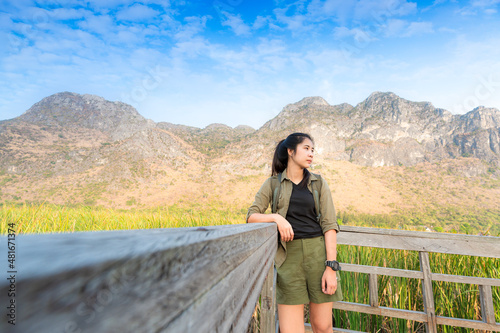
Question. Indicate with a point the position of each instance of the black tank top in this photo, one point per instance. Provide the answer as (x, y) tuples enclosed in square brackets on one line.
[(301, 213)]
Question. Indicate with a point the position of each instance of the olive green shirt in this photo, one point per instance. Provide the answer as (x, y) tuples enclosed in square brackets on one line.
[(264, 198)]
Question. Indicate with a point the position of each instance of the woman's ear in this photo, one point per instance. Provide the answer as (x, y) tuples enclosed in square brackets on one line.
[(290, 151)]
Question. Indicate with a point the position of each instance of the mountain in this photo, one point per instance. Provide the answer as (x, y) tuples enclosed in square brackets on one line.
[(82, 148), (386, 130), (70, 110)]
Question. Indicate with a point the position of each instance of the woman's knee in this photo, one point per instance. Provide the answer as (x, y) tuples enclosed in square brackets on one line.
[(321, 317), (321, 326)]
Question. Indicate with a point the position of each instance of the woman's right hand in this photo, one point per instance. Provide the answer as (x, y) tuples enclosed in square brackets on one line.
[(284, 228)]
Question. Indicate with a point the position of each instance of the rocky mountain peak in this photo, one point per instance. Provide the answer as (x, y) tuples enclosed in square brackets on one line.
[(390, 107), (218, 127), (307, 101), (481, 118), (68, 109)]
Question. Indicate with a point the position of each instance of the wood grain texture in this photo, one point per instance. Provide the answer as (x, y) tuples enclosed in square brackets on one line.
[(382, 271), (308, 329), (483, 246), (475, 324), (487, 309), (465, 279), (381, 311), (175, 280), (373, 289), (430, 311), (268, 303)]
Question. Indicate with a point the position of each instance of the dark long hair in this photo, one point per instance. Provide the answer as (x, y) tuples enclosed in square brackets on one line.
[(280, 159)]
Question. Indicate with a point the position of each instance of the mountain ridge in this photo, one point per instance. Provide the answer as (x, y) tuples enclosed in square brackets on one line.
[(82, 148)]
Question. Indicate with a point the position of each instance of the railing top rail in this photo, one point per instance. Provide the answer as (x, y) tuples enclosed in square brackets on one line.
[(482, 246), (174, 278), (47, 254)]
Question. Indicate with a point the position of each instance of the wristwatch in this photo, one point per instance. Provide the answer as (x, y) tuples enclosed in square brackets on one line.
[(334, 264)]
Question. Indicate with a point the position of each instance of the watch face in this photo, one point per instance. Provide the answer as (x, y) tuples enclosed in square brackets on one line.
[(334, 265)]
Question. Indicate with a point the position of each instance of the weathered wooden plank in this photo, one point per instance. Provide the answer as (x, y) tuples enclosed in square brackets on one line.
[(467, 323), (419, 275), (268, 303), (94, 248), (382, 271), (308, 329), (487, 307), (228, 305), (430, 325), (414, 315), (373, 289), (484, 246), (381, 311), (86, 282), (466, 279), (417, 234)]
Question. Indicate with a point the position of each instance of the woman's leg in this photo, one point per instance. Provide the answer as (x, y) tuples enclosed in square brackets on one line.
[(291, 318), (321, 317)]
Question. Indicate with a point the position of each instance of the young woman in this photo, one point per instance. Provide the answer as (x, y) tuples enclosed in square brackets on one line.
[(307, 251)]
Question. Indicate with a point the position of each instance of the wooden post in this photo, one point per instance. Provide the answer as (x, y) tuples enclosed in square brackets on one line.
[(373, 288), (487, 310), (430, 311), (268, 304)]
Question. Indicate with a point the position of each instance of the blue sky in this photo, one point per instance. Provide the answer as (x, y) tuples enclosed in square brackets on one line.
[(241, 61)]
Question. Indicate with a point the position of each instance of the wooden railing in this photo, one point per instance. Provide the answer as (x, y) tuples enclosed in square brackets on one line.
[(204, 279), (169, 280), (423, 242)]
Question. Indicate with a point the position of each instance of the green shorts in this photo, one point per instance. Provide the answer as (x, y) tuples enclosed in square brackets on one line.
[(299, 278)]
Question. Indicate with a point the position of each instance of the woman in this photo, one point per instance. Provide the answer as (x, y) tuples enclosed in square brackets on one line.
[(307, 227)]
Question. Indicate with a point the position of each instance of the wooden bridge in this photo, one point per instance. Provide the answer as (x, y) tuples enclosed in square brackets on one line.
[(204, 279)]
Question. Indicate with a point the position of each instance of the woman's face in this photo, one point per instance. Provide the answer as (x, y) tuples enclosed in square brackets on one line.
[(303, 156)]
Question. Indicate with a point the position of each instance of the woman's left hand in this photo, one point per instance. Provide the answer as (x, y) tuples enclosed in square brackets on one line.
[(329, 281)]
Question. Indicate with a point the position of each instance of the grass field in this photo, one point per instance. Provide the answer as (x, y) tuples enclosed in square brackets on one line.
[(53, 218), (457, 300)]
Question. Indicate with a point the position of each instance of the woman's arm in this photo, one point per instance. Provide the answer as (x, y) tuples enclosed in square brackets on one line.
[(329, 280), (256, 212), (284, 227)]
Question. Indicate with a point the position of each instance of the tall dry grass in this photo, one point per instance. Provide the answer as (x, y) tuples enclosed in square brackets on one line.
[(52, 218)]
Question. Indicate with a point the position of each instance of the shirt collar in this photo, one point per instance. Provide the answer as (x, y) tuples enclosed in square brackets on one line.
[(311, 176)]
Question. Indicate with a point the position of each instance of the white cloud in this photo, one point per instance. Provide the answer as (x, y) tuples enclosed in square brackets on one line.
[(395, 27), (236, 24), (359, 35), (67, 14), (137, 12), (488, 7), (369, 9), (419, 28), (260, 22), (484, 3), (297, 22), (345, 12), (193, 26), (101, 24)]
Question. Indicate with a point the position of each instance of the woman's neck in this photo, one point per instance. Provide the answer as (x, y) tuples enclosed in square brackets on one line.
[(294, 173)]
